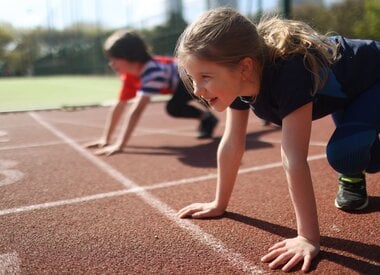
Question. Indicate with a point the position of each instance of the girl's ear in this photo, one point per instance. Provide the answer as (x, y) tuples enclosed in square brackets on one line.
[(246, 68)]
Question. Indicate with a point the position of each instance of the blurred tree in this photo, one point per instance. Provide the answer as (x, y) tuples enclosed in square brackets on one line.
[(20, 60), (369, 26), (163, 38), (7, 38), (317, 16), (75, 50), (345, 15)]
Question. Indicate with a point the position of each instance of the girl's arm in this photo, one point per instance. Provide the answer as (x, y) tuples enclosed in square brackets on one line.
[(230, 152), (133, 116), (112, 120), (296, 130)]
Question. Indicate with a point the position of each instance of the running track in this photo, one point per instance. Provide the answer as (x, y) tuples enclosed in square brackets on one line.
[(64, 210)]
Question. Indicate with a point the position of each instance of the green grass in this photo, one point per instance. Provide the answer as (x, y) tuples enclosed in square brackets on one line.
[(36, 93)]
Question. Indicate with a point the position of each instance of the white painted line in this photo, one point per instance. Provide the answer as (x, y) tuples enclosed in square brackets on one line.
[(63, 202), (10, 264), (235, 259), (4, 136), (136, 189), (76, 123), (9, 173), (278, 141), (275, 164), (139, 129), (31, 145), (140, 189), (95, 160), (176, 132)]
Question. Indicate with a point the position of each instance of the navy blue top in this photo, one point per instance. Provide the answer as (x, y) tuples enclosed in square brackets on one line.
[(286, 85)]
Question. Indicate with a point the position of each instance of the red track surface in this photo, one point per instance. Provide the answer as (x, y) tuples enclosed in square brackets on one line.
[(65, 211)]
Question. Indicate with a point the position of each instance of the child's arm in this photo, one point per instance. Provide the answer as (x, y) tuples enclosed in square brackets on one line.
[(296, 131), (230, 152), (133, 116), (112, 120)]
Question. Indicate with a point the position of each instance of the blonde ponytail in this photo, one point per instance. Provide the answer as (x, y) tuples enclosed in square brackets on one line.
[(287, 37)]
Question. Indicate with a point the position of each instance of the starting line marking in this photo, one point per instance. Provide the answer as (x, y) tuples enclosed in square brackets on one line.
[(139, 189), (235, 259), (141, 131), (10, 175), (4, 136), (10, 264)]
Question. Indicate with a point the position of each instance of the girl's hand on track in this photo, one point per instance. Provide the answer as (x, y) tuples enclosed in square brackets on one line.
[(289, 252), (108, 150), (201, 210), (96, 144)]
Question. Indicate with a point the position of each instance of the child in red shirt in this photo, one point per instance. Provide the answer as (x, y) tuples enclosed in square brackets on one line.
[(144, 76)]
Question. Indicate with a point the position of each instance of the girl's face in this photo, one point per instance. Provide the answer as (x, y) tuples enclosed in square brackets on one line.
[(123, 66), (218, 85)]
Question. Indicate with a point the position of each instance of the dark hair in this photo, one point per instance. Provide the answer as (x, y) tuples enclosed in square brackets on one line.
[(127, 44)]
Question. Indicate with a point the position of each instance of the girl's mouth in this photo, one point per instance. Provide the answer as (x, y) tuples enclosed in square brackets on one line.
[(212, 101)]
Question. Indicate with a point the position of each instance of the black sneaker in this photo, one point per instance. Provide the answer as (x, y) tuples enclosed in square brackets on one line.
[(207, 126), (352, 193)]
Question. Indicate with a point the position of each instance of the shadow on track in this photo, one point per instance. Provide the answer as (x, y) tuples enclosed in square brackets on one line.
[(202, 155), (369, 252)]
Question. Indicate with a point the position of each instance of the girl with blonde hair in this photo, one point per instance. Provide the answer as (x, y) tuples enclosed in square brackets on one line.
[(290, 75)]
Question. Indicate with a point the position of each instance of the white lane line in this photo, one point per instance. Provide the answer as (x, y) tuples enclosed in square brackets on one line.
[(63, 202), (275, 164), (31, 145), (141, 131), (235, 259), (159, 185), (4, 136), (101, 126), (9, 173), (278, 141), (10, 264)]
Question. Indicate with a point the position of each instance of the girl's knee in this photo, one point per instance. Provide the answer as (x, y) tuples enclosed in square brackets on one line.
[(349, 148)]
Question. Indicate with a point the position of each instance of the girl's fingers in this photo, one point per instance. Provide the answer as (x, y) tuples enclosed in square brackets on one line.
[(277, 245), (198, 211), (272, 255), (202, 214), (292, 262), (188, 211), (306, 263), (280, 260)]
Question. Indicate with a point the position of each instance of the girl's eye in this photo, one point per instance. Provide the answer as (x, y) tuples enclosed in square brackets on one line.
[(206, 77)]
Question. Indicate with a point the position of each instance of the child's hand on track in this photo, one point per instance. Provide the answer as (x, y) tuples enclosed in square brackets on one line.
[(96, 144), (289, 252), (108, 150), (201, 210)]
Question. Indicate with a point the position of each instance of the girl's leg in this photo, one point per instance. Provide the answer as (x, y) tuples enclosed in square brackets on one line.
[(178, 106), (354, 145), (354, 148)]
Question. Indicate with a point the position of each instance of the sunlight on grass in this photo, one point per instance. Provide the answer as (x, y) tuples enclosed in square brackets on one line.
[(35, 93)]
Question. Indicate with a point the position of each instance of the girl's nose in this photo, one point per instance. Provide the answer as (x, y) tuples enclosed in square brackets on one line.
[(198, 90)]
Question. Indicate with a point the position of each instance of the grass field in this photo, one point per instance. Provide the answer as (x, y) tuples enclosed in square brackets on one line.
[(36, 93)]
